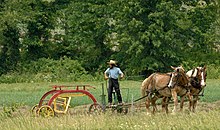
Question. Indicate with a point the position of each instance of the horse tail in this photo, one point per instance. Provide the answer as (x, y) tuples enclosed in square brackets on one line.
[(145, 85)]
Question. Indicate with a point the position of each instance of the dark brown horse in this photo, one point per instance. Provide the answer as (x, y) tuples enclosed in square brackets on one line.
[(197, 78), (161, 85)]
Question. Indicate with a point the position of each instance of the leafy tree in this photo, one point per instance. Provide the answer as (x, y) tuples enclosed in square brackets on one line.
[(9, 54), (37, 40), (152, 35), (144, 36), (86, 29)]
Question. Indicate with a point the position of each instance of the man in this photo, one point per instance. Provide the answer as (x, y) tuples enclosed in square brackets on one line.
[(113, 73)]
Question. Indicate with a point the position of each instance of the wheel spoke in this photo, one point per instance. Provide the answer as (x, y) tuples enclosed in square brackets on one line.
[(45, 111)]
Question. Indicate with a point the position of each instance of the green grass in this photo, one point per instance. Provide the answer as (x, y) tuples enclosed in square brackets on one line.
[(212, 90), (30, 93)]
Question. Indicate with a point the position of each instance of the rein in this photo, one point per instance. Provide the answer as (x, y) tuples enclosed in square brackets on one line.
[(150, 92), (202, 94), (140, 98), (203, 90), (177, 82)]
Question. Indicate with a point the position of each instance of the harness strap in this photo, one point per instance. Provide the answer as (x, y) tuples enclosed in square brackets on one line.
[(155, 90), (196, 85), (140, 98), (201, 90)]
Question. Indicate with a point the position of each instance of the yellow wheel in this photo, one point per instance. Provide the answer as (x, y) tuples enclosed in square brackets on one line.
[(34, 110), (45, 111)]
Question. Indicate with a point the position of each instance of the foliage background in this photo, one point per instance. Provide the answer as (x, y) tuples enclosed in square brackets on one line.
[(66, 40)]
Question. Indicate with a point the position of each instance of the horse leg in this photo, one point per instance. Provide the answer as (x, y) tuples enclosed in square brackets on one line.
[(153, 101), (182, 102), (190, 98), (195, 103), (175, 98), (165, 101), (148, 105), (164, 104)]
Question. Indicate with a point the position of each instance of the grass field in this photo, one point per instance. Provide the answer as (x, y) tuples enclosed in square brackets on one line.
[(17, 99), (30, 93)]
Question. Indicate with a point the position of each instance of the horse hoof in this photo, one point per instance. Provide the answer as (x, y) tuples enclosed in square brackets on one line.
[(180, 110), (173, 113), (148, 113)]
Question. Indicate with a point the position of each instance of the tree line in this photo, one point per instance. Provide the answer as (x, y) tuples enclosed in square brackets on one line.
[(144, 36)]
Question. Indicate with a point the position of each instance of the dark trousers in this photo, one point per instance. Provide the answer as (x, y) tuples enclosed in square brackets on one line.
[(113, 84)]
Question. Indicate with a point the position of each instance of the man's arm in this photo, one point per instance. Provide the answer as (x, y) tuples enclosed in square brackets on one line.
[(105, 76), (121, 73)]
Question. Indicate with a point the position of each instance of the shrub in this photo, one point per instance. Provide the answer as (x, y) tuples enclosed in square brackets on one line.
[(213, 71), (48, 70)]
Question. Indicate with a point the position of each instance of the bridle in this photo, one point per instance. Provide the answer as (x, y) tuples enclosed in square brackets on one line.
[(178, 80), (197, 79)]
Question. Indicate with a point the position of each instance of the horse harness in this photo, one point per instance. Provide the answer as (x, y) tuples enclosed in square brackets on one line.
[(153, 91), (194, 81)]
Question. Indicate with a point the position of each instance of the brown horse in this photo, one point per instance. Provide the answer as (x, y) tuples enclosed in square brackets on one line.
[(197, 82), (197, 78), (160, 85)]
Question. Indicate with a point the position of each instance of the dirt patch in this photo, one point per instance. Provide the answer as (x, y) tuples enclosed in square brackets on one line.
[(203, 106)]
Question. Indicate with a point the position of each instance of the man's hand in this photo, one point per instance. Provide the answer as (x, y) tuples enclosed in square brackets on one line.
[(121, 76)]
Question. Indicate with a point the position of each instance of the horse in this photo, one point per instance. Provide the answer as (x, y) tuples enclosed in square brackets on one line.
[(197, 79), (197, 82), (160, 85)]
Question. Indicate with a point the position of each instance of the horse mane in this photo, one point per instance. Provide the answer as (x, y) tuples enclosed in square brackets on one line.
[(167, 74), (185, 79)]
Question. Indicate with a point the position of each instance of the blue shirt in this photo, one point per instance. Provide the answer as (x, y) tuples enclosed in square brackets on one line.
[(114, 72)]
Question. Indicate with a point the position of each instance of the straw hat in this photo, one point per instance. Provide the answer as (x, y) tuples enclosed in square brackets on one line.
[(112, 62)]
